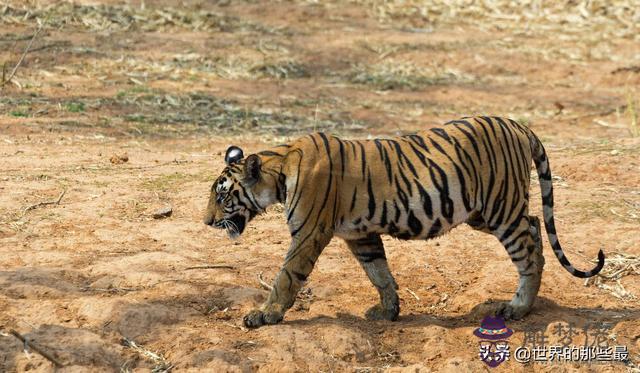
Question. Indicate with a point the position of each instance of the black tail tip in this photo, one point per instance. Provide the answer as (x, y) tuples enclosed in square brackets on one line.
[(595, 269), (600, 264)]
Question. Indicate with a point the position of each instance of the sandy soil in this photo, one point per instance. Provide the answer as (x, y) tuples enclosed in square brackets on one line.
[(82, 277)]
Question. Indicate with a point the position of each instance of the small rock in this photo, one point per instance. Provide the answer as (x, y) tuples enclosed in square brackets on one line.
[(119, 158), (163, 212)]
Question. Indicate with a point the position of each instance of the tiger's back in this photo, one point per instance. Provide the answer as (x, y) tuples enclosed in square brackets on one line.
[(418, 186)]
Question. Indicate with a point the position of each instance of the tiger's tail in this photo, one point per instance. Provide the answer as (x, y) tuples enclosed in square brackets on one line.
[(544, 175)]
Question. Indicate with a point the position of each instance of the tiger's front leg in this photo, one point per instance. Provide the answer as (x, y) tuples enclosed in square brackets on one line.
[(298, 264), (370, 253)]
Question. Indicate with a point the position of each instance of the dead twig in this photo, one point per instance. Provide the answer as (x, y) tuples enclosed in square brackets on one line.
[(28, 343), (414, 294), (211, 266), (52, 45), (24, 54), (113, 290), (161, 363), (263, 283), (235, 326), (45, 203)]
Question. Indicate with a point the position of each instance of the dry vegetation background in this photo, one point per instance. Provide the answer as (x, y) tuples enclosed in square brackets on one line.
[(120, 108)]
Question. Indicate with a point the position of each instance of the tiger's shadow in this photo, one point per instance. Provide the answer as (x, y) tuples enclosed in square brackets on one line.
[(545, 311)]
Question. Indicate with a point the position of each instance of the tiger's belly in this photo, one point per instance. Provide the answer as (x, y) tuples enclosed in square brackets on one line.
[(410, 221)]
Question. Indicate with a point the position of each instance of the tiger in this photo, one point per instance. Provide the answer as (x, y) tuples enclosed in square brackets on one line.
[(475, 170)]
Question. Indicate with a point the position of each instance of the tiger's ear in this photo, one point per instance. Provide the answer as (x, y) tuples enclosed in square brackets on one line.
[(233, 155), (252, 169)]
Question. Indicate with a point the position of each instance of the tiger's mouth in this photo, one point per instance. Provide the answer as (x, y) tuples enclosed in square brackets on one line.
[(234, 225)]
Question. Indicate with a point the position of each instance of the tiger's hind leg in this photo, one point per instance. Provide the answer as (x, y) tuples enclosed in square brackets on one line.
[(523, 243), (370, 253)]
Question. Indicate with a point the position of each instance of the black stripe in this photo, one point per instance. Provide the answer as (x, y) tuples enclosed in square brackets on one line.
[(491, 156), (420, 142), (353, 198), (517, 249), (402, 195), (383, 217), (403, 157), (420, 156), (300, 276), (414, 224), (326, 196), (341, 148), (435, 228), (406, 182), (443, 188), (425, 199), (511, 242), (463, 183), (290, 279), (371, 256), (472, 138), (295, 190), (314, 142), (397, 210), (269, 153), (363, 160), (514, 225), (372, 198), (384, 157), (519, 258)]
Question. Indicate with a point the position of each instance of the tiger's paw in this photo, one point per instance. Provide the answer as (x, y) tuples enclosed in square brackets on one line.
[(378, 313), (257, 318), (510, 312)]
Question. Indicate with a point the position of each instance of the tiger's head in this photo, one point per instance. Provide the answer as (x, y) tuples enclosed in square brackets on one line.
[(241, 192)]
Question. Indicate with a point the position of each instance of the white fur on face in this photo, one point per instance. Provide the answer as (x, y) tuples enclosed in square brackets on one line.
[(224, 187)]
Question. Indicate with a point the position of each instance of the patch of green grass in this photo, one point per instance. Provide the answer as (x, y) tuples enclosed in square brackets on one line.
[(19, 114), (281, 70), (135, 90), (138, 118), (74, 107)]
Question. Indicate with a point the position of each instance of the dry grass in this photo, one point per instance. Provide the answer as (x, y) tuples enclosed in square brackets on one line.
[(618, 18), (161, 365), (617, 266), (391, 74), (621, 208), (147, 111), (632, 112), (225, 116), (286, 69), (580, 30), (101, 18)]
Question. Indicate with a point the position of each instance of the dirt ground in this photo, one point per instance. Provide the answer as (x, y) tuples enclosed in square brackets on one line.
[(101, 285)]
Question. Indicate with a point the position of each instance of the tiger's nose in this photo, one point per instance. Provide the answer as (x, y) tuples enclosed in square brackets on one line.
[(208, 220)]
